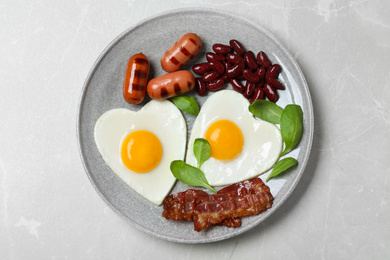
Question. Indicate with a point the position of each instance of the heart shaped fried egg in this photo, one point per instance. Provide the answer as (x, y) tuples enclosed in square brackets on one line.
[(140, 146), (242, 146)]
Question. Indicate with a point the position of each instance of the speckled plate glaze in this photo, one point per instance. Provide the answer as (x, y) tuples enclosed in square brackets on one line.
[(103, 91)]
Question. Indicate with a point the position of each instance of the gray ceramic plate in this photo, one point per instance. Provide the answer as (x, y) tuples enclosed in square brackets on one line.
[(103, 91)]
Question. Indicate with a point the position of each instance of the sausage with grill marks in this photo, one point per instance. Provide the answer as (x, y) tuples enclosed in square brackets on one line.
[(136, 78), (171, 84), (181, 52)]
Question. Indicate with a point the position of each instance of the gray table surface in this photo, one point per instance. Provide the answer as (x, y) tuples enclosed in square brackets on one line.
[(48, 207)]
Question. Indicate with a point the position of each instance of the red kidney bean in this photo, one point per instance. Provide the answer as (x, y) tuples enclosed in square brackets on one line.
[(211, 56), (222, 48), (275, 83), (250, 76), (263, 60), (273, 71), (232, 63), (235, 70), (237, 86), (240, 77), (210, 76), (225, 78), (200, 86), (227, 65), (237, 47), (257, 94), (201, 68), (217, 66), (216, 85), (270, 92), (249, 88), (235, 59), (260, 84), (250, 60), (261, 73)]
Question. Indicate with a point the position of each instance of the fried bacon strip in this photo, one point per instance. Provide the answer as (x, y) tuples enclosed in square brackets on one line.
[(237, 200), (224, 208), (181, 206)]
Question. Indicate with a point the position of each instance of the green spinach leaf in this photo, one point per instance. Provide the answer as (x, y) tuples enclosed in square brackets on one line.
[(266, 110), (189, 175), (202, 151), (186, 104), (282, 166), (291, 126)]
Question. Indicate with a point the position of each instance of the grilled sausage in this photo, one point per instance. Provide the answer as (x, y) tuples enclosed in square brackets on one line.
[(171, 84), (136, 78), (181, 52)]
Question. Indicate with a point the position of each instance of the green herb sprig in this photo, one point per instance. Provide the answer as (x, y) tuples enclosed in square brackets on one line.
[(186, 104), (189, 174), (282, 166), (202, 151), (266, 110), (291, 126)]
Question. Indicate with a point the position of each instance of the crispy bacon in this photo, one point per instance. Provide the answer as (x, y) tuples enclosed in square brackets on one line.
[(180, 206), (224, 208)]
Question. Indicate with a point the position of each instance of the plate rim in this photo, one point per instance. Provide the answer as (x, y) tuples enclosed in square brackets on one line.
[(306, 95)]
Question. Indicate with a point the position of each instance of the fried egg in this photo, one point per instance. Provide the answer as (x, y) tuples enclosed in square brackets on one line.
[(242, 146), (140, 146)]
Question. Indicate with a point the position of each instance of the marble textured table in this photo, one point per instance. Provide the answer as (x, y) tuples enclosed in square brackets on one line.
[(48, 207)]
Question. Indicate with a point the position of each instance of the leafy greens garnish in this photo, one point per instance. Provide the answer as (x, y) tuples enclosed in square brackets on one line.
[(190, 175), (291, 126), (266, 110), (202, 151), (186, 104), (282, 166)]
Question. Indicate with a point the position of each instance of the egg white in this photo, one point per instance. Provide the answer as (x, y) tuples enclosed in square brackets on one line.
[(159, 117), (262, 140)]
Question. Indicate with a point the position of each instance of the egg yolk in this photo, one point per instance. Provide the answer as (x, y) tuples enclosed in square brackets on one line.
[(141, 151), (225, 140)]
